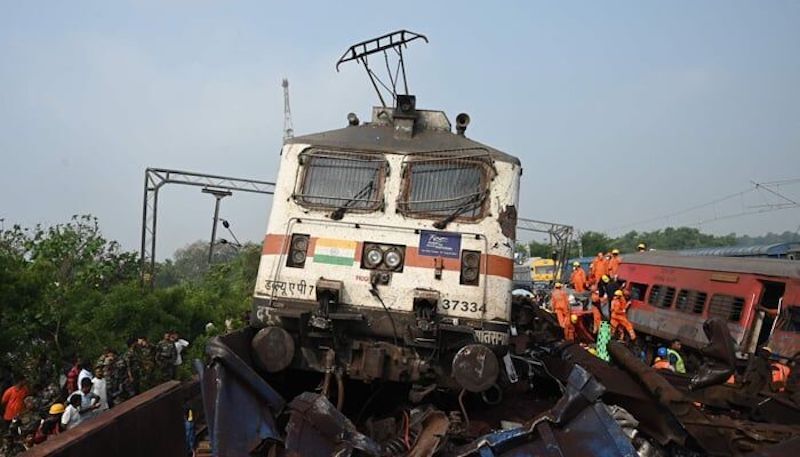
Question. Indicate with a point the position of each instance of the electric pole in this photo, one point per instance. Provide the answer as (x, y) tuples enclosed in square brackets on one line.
[(288, 129)]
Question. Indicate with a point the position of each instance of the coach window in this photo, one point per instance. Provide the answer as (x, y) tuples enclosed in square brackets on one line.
[(453, 188), (638, 291), (343, 182), (691, 301), (726, 306), (661, 296), (790, 319)]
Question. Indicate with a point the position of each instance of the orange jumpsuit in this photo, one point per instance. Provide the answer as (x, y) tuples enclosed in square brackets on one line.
[(613, 265), (578, 279), (569, 331), (597, 316), (662, 364), (619, 308), (598, 268), (560, 302)]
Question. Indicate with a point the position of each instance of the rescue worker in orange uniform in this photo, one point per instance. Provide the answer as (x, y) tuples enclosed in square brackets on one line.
[(780, 373), (569, 330), (578, 278), (560, 302), (598, 268), (619, 309), (662, 361), (597, 316), (613, 263)]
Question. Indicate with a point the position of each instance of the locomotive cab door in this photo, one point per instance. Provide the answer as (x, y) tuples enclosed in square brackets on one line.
[(766, 313)]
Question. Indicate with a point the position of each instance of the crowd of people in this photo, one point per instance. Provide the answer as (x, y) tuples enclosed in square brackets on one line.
[(32, 413)]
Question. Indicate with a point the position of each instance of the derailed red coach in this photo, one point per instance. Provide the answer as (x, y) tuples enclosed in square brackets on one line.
[(672, 295)]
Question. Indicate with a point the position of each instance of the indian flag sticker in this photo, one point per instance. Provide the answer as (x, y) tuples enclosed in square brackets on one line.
[(335, 252)]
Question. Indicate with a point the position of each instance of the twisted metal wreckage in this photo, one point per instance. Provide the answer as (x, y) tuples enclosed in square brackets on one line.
[(617, 408)]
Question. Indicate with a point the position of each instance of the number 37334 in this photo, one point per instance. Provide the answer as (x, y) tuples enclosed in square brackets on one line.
[(461, 305)]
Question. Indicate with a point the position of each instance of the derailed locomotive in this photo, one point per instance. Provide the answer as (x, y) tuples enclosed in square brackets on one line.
[(389, 252), (389, 249)]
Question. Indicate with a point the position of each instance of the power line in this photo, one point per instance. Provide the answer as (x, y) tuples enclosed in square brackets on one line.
[(770, 187)]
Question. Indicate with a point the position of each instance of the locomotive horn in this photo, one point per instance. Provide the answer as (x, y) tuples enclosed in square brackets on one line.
[(462, 121)]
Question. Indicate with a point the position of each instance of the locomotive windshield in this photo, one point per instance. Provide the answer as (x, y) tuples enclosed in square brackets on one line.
[(341, 181), (448, 188)]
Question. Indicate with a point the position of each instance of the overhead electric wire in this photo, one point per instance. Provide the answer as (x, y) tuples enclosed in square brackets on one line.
[(767, 207)]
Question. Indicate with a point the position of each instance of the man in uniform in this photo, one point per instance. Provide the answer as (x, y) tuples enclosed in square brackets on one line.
[(674, 356), (598, 268), (613, 263), (597, 315), (145, 364), (560, 302), (578, 278), (619, 317), (166, 355)]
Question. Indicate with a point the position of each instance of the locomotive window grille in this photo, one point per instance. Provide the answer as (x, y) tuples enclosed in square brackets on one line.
[(444, 186), (726, 307), (691, 301), (638, 291), (341, 181)]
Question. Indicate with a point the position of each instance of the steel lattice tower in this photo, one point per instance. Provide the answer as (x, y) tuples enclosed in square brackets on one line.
[(288, 129)]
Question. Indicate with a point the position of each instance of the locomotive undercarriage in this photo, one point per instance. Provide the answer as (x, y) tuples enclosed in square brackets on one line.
[(366, 343)]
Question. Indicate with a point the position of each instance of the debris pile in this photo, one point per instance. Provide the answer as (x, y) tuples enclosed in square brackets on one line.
[(552, 398)]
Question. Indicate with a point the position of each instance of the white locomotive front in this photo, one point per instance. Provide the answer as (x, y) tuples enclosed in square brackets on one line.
[(389, 253)]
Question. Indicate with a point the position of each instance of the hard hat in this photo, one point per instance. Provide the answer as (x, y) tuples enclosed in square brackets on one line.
[(641, 246), (618, 293), (576, 264), (662, 352), (615, 251), (605, 278), (57, 408), (558, 285), (573, 318)]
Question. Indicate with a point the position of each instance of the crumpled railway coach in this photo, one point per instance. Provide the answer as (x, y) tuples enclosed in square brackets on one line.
[(672, 295)]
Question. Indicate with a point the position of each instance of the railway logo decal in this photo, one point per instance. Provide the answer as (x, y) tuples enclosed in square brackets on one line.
[(335, 252), (440, 244)]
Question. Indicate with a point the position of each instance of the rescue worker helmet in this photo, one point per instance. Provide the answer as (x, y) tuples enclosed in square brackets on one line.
[(615, 251), (57, 408), (662, 352), (605, 278), (576, 264), (641, 246), (618, 293), (573, 318), (558, 285)]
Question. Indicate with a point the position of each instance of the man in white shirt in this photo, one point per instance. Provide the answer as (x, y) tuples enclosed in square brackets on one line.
[(89, 401), (99, 388), (180, 345), (72, 414), (84, 373)]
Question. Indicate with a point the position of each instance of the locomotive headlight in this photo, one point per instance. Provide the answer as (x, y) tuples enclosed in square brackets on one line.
[(298, 257), (470, 267), (469, 275), (298, 251), (373, 257), (393, 258)]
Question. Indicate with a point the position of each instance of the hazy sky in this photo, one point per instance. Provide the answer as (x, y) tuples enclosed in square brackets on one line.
[(620, 111)]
